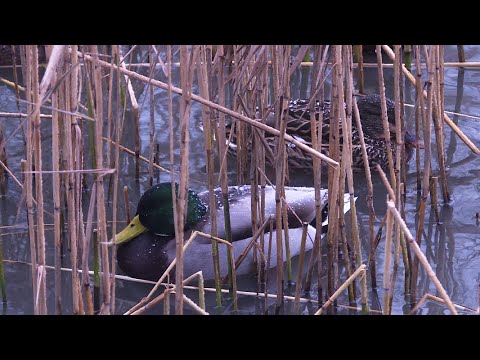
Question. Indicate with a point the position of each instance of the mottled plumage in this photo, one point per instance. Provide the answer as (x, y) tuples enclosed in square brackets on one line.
[(298, 125)]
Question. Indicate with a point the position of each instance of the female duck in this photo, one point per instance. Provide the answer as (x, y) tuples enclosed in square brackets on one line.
[(298, 125), (147, 245)]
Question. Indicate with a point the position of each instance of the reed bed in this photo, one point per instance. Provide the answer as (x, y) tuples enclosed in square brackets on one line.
[(238, 87)]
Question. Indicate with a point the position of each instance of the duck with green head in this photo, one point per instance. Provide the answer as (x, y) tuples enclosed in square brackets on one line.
[(146, 246)]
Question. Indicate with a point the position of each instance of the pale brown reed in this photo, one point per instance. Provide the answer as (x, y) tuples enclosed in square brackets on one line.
[(29, 71), (101, 216), (431, 59), (207, 116)]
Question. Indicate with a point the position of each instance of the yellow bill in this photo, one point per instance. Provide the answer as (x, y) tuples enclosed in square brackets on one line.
[(132, 230)]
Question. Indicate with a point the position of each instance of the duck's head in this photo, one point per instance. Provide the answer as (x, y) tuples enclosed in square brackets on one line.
[(370, 110), (155, 213)]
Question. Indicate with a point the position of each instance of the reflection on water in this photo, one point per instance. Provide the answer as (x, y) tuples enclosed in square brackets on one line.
[(452, 246)]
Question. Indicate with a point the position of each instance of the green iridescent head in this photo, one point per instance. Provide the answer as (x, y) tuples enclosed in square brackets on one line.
[(155, 213)]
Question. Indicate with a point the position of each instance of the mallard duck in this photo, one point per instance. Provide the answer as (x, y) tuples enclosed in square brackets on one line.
[(146, 246), (298, 125)]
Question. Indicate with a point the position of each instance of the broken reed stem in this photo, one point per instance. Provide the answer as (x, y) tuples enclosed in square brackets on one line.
[(202, 73), (428, 296), (360, 271), (421, 257), (220, 108), (446, 119)]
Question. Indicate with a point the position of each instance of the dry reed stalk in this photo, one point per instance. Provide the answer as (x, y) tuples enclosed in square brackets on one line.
[(19, 114), (361, 86), (350, 182), (386, 128), (279, 88), (26, 66), (438, 124), (360, 271), (434, 196), (316, 127), (3, 160), (419, 110), (446, 119), (466, 64), (369, 197), (86, 247), (421, 257), (15, 81), (68, 155), (127, 207), (202, 73), (186, 80), (461, 53), (386, 269), (258, 161), (334, 173), (346, 162), (428, 296), (200, 309), (56, 203), (109, 111), (145, 160), (170, 267), (407, 51), (36, 99), (3, 285), (300, 267), (118, 135), (427, 161), (136, 114), (219, 108), (222, 150), (101, 216)]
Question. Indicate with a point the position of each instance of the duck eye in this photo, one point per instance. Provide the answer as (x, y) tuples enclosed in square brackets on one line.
[(132, 225)]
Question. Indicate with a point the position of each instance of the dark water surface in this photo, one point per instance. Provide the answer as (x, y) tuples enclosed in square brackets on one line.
[(452, 248)]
